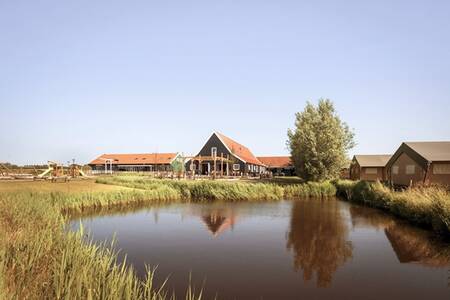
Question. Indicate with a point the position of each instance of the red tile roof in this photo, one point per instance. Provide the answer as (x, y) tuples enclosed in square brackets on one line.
[(135, 159), (239, 150), (276, 161)]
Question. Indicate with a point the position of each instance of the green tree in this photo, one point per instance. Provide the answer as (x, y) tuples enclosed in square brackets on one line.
[(319, 142)]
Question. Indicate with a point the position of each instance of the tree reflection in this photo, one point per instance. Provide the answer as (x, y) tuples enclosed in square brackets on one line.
[(318, 239)]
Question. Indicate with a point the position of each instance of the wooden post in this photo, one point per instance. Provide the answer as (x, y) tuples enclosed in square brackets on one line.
[(199, 166), (228, 167), (214, 168), (221, 164)]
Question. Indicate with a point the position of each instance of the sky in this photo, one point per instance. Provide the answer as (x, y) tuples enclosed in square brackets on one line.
[(82, 78)]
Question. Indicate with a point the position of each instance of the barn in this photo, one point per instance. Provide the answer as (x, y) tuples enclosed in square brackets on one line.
[(420, 163), (223, 156)]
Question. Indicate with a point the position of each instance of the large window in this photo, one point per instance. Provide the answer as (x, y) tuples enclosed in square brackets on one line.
[(441, 168), (371, 171), (395, 170), (410, 169)]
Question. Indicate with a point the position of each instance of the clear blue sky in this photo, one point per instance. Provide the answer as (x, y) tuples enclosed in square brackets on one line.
[(81, 78)]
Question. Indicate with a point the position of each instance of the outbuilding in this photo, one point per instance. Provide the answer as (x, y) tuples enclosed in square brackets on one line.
[(420, 163), (145, 162), (369, 167), (278, 165)]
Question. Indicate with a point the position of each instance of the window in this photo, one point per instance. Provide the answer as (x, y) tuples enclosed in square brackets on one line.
[(236, 167), (441, 168), (395, 170), (371, 171), (410, 169), (214, 151)]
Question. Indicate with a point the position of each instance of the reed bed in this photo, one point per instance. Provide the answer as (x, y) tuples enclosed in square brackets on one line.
[(41, 260), (424, 206), (227, 191)]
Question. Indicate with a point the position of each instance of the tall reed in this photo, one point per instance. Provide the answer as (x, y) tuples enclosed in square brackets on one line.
[(425, 206), (222, 190), (41, 260)]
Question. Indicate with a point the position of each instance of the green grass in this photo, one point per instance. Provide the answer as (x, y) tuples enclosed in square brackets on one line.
[(427, 207), (73, 186), (225, 190)]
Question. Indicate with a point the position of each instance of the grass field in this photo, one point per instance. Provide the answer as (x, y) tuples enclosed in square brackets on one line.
[(73, 186)]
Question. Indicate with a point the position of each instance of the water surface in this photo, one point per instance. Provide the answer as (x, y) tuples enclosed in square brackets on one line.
[(298, 249)]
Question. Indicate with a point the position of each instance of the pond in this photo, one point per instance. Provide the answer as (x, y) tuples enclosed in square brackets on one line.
[(297, 249)]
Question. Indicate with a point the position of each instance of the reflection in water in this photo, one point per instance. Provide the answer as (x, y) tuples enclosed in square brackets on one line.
[(318, 238), (216, 223), (410, 244), (216, 219), (251, 261), (365, 217), (415, 245)]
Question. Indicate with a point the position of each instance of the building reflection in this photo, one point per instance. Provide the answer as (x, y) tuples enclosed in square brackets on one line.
[(413, 245), (218, 223), (365, 217), (217, 219), (318, 239), (410, 244)]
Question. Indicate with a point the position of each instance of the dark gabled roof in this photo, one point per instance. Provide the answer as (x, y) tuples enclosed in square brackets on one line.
[(377, 160), (423, 152), (431, 151)]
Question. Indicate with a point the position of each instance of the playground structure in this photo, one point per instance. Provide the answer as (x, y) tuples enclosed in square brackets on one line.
[(54, 172), (76, 171)]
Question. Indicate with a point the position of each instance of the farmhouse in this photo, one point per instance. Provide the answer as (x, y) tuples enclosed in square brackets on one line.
[(420, 163), (223, 156), (278, 165), (134, 162), (369, 167)]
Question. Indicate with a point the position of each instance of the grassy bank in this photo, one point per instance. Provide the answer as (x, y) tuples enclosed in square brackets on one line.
[(426, 207), (224, 190)]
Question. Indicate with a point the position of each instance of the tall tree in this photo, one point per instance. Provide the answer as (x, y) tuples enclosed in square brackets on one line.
[(319, 142)]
